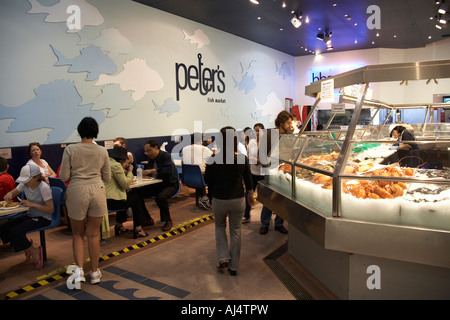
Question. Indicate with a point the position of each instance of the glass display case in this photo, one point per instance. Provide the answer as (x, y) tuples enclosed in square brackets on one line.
[(354, 196), (374, 185)]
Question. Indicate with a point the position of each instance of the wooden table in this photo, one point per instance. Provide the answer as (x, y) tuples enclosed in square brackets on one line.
[(11, 212), (145, 182)]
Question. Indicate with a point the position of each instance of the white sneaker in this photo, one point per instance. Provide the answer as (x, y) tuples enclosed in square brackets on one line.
[(95, 276), (82, 278)]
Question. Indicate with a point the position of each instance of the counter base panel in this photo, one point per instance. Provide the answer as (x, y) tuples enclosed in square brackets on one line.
[(347, 275)]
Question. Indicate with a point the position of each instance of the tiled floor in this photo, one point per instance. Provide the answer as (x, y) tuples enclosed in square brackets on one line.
[(179, 265)]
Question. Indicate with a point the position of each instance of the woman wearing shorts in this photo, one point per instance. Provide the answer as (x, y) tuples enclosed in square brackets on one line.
[(86, 165)]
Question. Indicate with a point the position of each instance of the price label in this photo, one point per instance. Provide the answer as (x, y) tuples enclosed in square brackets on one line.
[(338, 107)]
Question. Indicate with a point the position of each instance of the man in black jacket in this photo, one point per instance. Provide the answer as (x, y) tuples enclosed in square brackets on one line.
[(160, 166)]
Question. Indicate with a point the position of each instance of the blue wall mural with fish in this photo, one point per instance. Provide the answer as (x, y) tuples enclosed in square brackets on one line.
[(116, 60)]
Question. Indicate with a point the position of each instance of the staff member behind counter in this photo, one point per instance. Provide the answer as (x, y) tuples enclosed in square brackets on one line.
[(408, 153)]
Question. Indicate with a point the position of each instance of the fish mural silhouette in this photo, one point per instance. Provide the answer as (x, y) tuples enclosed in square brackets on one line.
[(91, 60), (247, 83), (122, 100), (58, 13), (199, 38), (284, 70), (169, 106), (136, 76), (110, 40), (56, 106)]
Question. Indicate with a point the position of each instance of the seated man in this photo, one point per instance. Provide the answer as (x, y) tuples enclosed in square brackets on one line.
[(161, 166), (197, 154)]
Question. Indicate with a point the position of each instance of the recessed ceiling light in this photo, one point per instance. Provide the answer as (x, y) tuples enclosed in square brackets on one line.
[(281, 29), (254, 1), (378, 34), (395, 36), (307, 19), (373, 42), (334, 4), (259, 18), (284, 4), (429, 37), (355, 24), (356, 41)]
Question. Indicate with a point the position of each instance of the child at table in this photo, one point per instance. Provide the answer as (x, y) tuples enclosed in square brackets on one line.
[(40, 203), (6, 180)]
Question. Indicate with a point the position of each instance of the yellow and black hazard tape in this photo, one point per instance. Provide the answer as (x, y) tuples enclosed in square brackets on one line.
[(55, 277)]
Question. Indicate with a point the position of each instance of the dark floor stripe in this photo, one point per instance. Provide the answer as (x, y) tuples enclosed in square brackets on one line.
[(284, 276)]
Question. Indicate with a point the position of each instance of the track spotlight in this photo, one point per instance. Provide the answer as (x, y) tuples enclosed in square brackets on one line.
[(442, 10), (325, 37), (296, 20)]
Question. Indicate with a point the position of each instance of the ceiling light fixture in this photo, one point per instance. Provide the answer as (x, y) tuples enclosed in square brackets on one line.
[(442, 10), (325, 37), (254, 1), (438, 27), (296, 19)]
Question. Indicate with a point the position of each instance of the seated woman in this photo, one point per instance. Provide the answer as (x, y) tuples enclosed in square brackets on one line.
[(35, 153), (118, 198), (40, 201)]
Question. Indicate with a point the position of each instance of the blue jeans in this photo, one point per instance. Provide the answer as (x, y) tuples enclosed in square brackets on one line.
[(266, 215)]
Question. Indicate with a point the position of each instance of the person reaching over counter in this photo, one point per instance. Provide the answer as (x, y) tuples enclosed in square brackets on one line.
[(40, 201), (408, 153)]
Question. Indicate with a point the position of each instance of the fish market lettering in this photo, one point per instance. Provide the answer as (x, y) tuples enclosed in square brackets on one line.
[(195, 78)]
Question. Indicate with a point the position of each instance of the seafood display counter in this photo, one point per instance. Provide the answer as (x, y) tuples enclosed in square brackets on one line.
[(354, 207)]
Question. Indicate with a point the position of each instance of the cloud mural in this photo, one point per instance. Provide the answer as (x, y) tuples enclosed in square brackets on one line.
[(56, 106), (91, 60), (268, 111), (136, 76), (59, 12), (199, 38)]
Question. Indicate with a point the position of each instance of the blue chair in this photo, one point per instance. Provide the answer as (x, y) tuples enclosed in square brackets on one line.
[(56, 182), (56, 217), (192, 177)]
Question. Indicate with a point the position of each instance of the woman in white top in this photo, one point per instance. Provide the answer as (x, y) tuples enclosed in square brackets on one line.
[(35, 153)]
